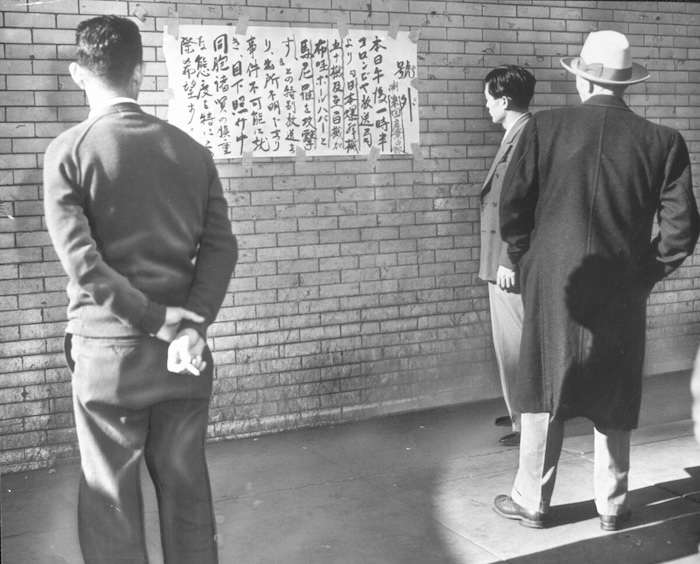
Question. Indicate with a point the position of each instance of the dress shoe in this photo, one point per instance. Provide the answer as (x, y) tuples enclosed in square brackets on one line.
[(503, 421), (506, 507), (614, 522), (511, 440)]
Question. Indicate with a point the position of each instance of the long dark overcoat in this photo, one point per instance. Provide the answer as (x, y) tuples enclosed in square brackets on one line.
[(578, 209)]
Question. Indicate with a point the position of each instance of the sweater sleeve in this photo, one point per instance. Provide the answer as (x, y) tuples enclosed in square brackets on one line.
[(216, 258), (70, 232)]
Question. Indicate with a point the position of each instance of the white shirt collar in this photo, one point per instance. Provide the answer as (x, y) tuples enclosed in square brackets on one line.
[(521, 117), (111, 102)]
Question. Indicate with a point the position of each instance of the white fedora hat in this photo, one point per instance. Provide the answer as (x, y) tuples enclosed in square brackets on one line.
[(605, 58)]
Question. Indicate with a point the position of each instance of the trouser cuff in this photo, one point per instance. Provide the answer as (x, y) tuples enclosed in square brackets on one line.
[(529, 504)]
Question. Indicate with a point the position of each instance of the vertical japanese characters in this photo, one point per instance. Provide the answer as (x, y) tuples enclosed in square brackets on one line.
[(275, 90)]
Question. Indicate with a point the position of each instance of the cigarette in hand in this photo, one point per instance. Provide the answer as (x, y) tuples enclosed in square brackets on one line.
[(192, 369)]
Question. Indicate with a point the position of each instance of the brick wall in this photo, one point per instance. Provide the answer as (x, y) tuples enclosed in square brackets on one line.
[(355, 294)]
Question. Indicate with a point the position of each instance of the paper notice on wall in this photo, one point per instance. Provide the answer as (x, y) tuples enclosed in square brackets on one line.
[(274, 89)]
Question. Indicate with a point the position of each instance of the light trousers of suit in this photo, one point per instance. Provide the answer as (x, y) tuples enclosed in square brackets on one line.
[(540, 446), (507, 326), (128, 408)]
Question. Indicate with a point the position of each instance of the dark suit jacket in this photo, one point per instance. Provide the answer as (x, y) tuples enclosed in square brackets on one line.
[(493, 249)]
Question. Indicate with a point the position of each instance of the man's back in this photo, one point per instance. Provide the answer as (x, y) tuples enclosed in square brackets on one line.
[(137, 216), (149, 194), (600, 169), (578, 209)]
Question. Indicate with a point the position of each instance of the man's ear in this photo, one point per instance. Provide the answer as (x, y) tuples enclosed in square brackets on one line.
[(139, 71), (76, 73), (136, 80)]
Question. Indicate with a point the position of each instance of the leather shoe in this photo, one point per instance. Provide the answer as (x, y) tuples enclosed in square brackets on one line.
[(511, 440), (614, 522), (506, 507), (503, 421)]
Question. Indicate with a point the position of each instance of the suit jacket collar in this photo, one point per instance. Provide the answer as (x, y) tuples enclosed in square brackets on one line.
[(506, 145)]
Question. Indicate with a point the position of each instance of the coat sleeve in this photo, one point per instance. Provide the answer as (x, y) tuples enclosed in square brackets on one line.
[(216, 258), (695, 391), (78, 251), (519, 195), (679, 224), (505, 260)]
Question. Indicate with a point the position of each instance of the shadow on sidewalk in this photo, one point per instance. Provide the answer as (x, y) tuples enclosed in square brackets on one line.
[(665, 526)]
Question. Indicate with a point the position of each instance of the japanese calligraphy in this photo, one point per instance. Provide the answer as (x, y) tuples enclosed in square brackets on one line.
[(274, 90)]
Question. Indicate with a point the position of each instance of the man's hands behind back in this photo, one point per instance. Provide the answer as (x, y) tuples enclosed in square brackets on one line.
[(173, 317)]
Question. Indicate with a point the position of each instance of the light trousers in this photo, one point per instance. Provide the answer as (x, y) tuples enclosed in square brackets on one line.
[(128, 408), (507, 326), (540, 447)]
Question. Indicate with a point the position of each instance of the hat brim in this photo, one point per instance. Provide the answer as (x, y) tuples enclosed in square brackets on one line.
[(639, 73)]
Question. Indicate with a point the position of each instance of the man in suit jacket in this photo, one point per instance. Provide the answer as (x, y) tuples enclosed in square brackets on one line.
[(508, 90), (137, 216), (578, 208)]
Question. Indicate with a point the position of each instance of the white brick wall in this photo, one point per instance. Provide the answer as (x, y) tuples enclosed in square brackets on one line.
[(356, 294)]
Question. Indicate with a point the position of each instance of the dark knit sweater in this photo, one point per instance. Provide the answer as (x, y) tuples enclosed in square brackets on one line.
[(136, 212)]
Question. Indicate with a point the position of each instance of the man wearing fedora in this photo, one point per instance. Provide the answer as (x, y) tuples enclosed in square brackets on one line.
[(578, 207)]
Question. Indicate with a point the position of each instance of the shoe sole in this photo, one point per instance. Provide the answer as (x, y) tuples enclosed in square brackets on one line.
[(524, 521), (508, 444)]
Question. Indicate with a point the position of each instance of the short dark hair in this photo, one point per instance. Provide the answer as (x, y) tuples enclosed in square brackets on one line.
[(110, 47), (511, 81)]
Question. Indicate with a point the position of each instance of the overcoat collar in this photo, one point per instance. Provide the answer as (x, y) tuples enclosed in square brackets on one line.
[(607, 101), (506, 145)]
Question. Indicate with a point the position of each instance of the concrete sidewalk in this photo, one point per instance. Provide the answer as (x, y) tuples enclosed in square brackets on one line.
[(406, 489)]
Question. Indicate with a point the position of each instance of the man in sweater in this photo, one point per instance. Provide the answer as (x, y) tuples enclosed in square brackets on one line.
[(508, 90), (137, 216)]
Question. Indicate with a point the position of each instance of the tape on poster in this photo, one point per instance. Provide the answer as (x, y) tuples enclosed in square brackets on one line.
[(414, 35), (247, 159), (242, 24), (173, 24), (373, 157), (416, 83), (417, 153), (342, 24), (300, 154), (140, 13), (394, 29)]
